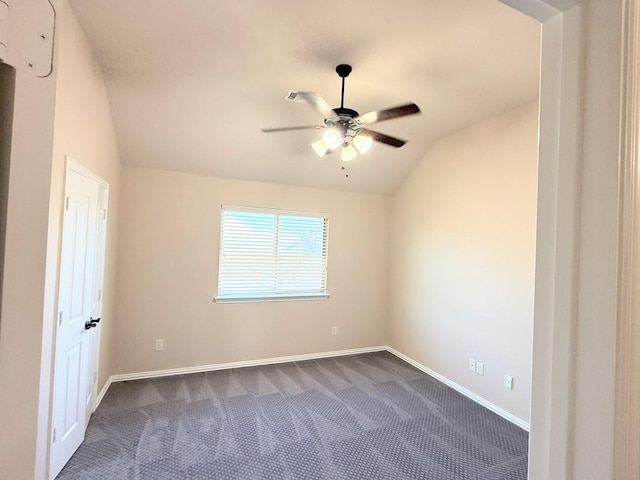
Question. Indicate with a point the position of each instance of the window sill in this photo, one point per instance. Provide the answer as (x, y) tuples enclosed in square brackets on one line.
[(272, 298)]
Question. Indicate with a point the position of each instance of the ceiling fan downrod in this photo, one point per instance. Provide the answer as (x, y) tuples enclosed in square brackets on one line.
[(343, 70)]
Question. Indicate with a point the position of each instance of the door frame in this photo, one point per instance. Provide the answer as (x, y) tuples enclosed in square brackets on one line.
[(627, 418), (103, 205), (560, 159)]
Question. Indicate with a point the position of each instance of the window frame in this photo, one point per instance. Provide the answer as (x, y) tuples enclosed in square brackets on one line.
[(275, 297)]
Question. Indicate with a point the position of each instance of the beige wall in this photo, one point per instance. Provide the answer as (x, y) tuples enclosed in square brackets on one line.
[(168, 263), (24, 333), (462, 258), (84, 131)]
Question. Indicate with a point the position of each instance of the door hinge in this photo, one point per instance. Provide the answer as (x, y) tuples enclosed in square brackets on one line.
[(99, 294), (104, 214), (66, 204), (60, 318), (54, 435)]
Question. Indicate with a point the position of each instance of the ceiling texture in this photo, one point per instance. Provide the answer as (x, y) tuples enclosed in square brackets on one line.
[(191, 83)]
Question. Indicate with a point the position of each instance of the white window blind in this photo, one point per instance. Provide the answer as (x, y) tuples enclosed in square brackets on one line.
[(268, 254)]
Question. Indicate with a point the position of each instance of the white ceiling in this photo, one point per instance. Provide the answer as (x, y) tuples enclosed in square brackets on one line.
[(191, 83)]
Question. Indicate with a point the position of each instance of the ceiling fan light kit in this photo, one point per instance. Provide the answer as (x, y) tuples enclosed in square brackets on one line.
[(345, 127), (320, 147), (348, 153), (362, 143), (332, 139)]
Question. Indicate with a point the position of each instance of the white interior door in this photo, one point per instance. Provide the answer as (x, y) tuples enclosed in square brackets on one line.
[(72, 388)]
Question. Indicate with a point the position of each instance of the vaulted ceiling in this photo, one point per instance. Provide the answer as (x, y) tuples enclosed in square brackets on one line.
[(191, 83)]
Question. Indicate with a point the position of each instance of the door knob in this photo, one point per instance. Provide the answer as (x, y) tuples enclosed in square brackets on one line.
[(91, 323)]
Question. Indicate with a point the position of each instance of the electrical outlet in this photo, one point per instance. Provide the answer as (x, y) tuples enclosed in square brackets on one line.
[(159, 344), (472, 365), (480, 368), (508, 382), (334, 330)]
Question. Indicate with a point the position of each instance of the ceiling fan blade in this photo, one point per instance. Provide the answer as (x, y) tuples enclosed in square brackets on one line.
[(319, 103), (383, 138), (284, 129), (388, 114)]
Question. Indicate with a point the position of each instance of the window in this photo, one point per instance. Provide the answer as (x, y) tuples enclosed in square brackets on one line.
[(269, 254)]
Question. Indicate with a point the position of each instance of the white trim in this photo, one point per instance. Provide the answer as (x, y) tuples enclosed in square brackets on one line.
[(274, 211), (541, 11), (312, 356), (272, 298), (467, 393), (77, 167), (627, 413), (559, 200)]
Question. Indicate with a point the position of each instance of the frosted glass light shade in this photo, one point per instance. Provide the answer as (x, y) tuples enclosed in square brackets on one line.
[(332, 138), (362, 143), (348, 153), (320, 148)]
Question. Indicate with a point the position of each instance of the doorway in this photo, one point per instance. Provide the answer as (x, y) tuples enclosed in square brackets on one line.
[(23, 408), (79, 311)]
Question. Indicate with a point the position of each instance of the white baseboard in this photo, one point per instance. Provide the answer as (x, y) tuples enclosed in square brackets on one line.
[(467, 393), (311, 356), (225, 366)]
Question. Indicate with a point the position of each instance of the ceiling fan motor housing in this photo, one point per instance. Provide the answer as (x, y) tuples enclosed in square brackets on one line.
[(346, 112)]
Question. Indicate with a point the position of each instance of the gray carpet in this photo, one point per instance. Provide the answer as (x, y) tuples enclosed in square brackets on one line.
[(368, 417)]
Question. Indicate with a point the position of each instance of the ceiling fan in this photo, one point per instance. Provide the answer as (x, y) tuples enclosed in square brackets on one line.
[(344, 127)]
